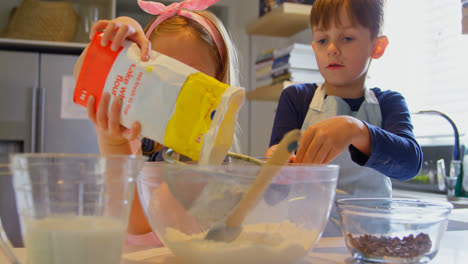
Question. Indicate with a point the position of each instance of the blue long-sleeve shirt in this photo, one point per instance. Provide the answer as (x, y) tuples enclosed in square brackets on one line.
[(394, 149)]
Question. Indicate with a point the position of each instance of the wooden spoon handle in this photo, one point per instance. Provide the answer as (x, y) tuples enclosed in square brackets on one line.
[(281, 155)]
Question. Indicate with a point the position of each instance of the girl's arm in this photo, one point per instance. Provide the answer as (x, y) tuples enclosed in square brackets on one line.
[(79, 63), (113, 138)]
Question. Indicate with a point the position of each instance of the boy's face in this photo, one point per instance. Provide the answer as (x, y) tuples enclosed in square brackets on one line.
[(343, 52)]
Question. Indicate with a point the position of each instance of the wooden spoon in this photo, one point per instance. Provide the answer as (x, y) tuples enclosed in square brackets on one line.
[(232, 227)]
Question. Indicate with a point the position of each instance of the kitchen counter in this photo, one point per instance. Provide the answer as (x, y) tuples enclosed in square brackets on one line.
[(327, 251), (453, 250)]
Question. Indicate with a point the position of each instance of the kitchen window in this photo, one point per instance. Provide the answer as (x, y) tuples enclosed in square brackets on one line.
[(427, 61)]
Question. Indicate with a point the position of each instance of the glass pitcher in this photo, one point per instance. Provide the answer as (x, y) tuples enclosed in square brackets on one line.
[(73, 208)]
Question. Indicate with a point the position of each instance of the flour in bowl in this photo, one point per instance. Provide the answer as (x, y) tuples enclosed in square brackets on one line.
[(266, 243)]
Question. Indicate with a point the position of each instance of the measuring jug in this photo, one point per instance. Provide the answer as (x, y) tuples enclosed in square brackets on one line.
[(73, 208)]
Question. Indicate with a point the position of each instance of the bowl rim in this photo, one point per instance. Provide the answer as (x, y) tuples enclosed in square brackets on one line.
[(318, 167), (328, 166), (432, 205), (77, 155)]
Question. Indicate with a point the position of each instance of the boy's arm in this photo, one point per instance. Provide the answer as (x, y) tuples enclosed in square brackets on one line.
[(285, 119), (291, 111), (363, 142), (395, 151)]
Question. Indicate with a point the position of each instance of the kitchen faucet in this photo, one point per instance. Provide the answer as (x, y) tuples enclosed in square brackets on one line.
[(454, 176)]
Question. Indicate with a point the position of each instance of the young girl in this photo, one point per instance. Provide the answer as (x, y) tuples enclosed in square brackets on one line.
[(368, 132), (182, 31)]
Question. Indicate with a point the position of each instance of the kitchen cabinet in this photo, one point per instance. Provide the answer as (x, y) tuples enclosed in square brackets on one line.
[(32, 108), (17, 87), (56, 132), (98, 9), (104, 9), (262, 117), (279, 28), (32, 120), (18, 83), (268, 93), (283, 21)]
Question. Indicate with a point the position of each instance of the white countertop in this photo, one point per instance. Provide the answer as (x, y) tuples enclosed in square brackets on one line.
[(453, 250)]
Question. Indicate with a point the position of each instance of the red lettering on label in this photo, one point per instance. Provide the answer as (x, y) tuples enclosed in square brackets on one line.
[(122, 92), (127, 108), (199, 138), (129, 74), (117, 82)]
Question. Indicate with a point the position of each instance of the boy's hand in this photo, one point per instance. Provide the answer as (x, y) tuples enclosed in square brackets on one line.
[(113, 137), (118, 30), (270, 151), (324, 141)]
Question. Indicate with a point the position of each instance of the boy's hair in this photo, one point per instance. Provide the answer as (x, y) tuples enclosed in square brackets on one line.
[(368, 13)]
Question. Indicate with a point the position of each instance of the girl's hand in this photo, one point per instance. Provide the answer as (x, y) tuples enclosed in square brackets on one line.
[(120, 29), (324, 141), (113, 138), (272, 149), (116, 31)]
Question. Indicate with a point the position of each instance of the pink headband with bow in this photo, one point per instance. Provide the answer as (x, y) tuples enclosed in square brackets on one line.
[(185, 9)]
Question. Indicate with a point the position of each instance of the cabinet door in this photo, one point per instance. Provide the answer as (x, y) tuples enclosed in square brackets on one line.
[(18, 83), (58, 132), (261, 123), (19, 80)]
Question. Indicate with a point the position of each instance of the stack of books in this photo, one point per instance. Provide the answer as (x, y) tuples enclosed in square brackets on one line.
[(268, 5), (295, 63)]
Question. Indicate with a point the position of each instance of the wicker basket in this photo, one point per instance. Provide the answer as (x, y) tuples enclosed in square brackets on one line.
[(40, 20)]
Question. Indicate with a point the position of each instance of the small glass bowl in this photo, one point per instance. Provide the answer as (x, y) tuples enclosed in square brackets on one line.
[(386, 230)]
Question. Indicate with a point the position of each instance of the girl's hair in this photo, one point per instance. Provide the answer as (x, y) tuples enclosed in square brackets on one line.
[(368, 13), (227, 72)]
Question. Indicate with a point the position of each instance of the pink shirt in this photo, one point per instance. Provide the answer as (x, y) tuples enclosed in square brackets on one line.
[(148, 239)]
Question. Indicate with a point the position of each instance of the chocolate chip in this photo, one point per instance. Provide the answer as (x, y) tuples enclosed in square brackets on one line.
[(408, 247)]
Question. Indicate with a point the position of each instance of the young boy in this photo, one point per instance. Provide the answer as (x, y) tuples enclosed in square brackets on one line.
[(368, 132)]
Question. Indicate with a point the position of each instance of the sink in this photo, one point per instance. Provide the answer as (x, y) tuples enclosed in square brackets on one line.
[(458, 202), (458, 219)]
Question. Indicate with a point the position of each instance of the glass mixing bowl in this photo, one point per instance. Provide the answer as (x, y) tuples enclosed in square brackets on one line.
[(184, 201)]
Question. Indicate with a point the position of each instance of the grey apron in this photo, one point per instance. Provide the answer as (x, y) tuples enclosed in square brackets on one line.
[(354, 180)]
